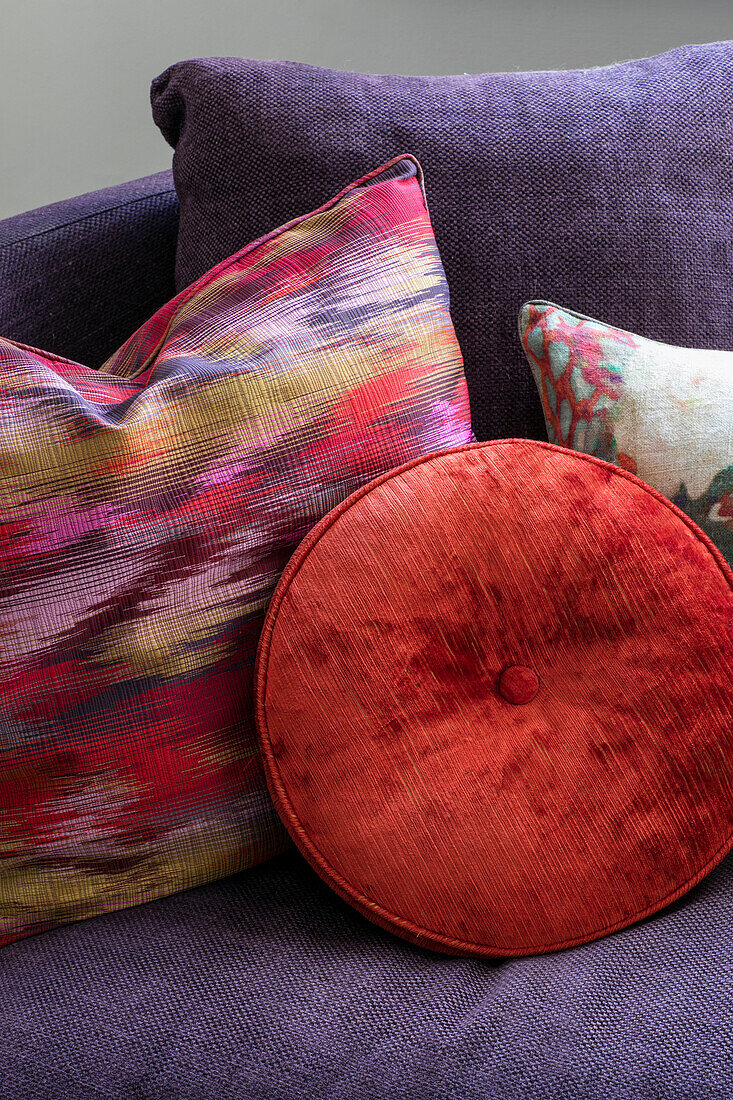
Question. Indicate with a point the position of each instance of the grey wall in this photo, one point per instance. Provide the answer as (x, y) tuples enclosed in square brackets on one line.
[(74, 74)]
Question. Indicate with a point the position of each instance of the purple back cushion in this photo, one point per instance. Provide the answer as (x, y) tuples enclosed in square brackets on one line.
[(607, 189)]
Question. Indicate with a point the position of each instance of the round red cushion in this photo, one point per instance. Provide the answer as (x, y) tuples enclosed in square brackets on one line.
[(495, 699)]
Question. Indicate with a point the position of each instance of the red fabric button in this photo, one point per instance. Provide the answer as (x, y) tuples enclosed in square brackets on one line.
[(519, 684)]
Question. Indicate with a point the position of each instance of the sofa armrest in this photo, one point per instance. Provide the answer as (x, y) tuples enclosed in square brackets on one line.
[(79, 276)]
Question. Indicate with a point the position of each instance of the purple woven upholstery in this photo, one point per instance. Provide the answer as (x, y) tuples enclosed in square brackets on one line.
[(608, 190), (267, 987), (79, 276)]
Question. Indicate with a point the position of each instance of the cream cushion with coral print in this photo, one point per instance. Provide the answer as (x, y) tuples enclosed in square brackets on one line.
[(663, 412)]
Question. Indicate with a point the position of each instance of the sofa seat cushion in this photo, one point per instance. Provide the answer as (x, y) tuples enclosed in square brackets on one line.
[(266, 986)]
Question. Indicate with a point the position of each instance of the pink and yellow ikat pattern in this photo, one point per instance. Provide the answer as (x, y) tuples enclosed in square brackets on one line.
[(148, 510)]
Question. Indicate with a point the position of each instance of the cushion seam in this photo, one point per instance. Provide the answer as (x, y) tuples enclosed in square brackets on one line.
[(85, 217)]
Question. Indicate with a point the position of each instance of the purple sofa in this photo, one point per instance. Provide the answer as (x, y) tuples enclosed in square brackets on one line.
[(266, 986)]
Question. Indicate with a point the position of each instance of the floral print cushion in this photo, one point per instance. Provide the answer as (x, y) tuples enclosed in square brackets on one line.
[(663, 412)]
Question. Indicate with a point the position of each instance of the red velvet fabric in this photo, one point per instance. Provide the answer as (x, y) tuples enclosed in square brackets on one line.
[(433, 804)]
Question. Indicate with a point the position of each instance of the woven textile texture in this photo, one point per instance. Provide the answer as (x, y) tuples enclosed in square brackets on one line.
[(80, 275), (267, 986), (663, 412), (446, 812), (148, 510), (601, 189)]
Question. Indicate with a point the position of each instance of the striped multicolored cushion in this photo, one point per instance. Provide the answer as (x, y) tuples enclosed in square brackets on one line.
[(148, 511)]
